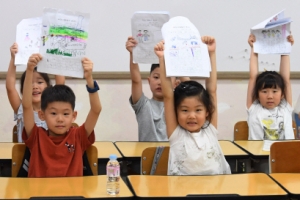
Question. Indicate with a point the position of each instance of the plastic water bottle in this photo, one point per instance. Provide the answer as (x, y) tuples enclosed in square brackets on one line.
[(113, 175)]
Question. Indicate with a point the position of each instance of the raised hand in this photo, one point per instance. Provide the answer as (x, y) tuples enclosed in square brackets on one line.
[(33, 60), (130, 43), (210, 42)]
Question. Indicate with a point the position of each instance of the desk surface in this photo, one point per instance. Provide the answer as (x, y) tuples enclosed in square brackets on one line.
[(86, 186), (290, 181), (135, 149), (254, 147), (104, 149), (256, 184)]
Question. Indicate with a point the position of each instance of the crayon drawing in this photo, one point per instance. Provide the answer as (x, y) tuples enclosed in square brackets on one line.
[(64, 41)]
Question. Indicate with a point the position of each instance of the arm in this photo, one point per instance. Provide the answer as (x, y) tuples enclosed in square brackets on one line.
[(27, 93), (95, 109), (285, 72), (136, 79), (12, 93), (211, 82), (59, 80), (167, 90), (253, 72)]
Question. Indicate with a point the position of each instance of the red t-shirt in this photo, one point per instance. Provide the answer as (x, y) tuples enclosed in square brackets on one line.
[(57, 156)]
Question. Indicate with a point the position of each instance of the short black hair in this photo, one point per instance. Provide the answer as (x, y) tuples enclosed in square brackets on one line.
[(43, 75), (268, 79), (56, 93), (153, 67), (194, 89)]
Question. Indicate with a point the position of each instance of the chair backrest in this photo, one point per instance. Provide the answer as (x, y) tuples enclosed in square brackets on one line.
[(241, 130), (148, 158), (284, 157), (21, 158), (92, 154), (18, 152), (15, 134)]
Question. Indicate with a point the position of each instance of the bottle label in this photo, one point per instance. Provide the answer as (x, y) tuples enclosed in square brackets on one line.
[(113, 171)]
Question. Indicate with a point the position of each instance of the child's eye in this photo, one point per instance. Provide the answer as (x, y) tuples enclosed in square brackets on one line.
[(66, 113), (198, 110), (41, 82), (184, 110), (53, 113)]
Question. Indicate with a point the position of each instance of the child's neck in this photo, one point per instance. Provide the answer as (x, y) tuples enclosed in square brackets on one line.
[(36, 107)]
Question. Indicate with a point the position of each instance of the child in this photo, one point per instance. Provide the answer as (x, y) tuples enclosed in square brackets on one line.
[(269, 100), (58, 151), (39, 83), (149, 112), (191, 118)]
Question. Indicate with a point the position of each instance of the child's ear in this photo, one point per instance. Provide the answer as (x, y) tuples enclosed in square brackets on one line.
[(74, 116), (41, 115), (148, 80)]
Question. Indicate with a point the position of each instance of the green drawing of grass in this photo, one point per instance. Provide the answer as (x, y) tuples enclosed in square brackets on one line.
[(68, 31), (57, 52)]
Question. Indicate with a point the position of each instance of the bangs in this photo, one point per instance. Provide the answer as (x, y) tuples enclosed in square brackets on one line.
[(268, 82)]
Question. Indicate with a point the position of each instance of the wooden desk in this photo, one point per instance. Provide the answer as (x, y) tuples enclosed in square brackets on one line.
[(290, 181), (87, 186), (253, 147), (5, 150), (105, 149), (256, 185), (132, 152)]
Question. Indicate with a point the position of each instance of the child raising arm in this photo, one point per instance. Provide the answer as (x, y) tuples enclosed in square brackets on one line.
[(269, 99), (58, 151), (191, 118), (40, 82)]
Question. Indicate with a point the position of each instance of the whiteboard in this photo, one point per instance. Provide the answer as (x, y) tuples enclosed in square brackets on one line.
[(229, 21)]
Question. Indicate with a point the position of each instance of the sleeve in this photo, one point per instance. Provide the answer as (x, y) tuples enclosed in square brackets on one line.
[(32, 138), (19, 114), (288, 106), (139, 104), (176, 136), (252, 107), (85, 141)]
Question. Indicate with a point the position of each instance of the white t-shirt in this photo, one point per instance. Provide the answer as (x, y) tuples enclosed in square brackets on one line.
[(196, 153), (20, 122), (270, 124)]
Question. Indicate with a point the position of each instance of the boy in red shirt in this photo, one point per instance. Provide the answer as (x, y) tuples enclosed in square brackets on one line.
[(58, 151)]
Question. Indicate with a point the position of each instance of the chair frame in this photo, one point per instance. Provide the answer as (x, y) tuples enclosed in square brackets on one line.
[(147, 160)]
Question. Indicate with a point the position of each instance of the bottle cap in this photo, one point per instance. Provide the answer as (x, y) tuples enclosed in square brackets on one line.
[(113, 157)]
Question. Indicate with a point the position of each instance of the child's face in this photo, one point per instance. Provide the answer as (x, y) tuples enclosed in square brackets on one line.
[(38, 86), (270, 97), (59, 117), (191, 114), (155, 84)]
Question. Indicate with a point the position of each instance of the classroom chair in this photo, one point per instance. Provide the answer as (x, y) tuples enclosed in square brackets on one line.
[(284, 157), (14, 134), (241, 130), (154, 161), (21, 159)]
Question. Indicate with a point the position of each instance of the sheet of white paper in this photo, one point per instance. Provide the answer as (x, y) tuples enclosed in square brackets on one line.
[(272, 41), (28, 38), (146, 29), (268, 143), (273, 19), (64, 41), (185, 54)]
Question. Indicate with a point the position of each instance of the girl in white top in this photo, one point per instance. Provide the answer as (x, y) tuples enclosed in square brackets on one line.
[(191, 119), (39, 83), (269, 100)]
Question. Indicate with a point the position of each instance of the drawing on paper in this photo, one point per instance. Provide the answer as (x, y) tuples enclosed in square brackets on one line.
[(28, 39), (64, 41), (146, 29)]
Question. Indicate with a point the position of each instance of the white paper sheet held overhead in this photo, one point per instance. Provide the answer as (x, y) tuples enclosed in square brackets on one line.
[(185, 54), (28, 38), (146, 30), (271, 35), (64, 41)]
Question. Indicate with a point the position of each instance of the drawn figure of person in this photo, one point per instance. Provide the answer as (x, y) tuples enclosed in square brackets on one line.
[(43, 40), (273, 33), (140, 36), (264, 32), (269, 34), (146, 35), (278, 33), (27, 37)]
